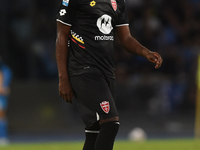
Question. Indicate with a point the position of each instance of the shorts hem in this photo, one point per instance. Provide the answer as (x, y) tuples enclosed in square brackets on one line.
[(92, 122)]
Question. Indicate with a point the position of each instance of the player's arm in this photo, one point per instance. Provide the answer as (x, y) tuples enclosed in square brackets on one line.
[(65, 90), (134, 47)]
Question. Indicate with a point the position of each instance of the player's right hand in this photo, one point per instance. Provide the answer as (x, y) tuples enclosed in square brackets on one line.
[(65, 90)]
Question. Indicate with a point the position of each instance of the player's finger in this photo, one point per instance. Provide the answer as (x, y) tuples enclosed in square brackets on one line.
[(152, 58), (158, 61), (62, 96), (158, 64), (158, 57), (67, 98), (70, 98)]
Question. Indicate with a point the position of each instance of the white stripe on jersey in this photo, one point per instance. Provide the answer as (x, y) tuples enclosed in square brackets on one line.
[(63, 22), (122, 25)]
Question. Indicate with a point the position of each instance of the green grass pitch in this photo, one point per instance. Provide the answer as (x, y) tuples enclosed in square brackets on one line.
[(184, 144)]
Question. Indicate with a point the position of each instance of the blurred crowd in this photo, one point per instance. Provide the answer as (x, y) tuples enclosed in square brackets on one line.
[(170, 27)]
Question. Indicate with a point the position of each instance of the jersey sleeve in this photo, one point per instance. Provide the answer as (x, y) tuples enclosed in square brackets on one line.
[(65, 13), (123, 17)]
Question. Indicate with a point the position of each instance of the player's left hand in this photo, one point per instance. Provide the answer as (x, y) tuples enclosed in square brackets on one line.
[(155, 58)]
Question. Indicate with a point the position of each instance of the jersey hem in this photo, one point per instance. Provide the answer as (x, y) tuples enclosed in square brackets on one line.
[(92, 72), (63, 22)]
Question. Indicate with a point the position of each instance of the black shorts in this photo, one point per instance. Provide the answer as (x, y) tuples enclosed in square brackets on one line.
[(95, 97)]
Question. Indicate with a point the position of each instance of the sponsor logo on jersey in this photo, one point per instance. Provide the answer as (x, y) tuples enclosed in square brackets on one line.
[(65, 2), (105, 106), (92, 3), (62, 12), (104, 38), (104, 24), (114, 4), (77, 39)]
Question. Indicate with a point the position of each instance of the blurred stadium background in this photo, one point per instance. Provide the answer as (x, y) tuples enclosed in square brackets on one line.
[(161, 102)]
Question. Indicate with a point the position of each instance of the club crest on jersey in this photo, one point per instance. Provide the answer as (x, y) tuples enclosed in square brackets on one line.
[(65, 2), (114, 4), (105, 106)]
